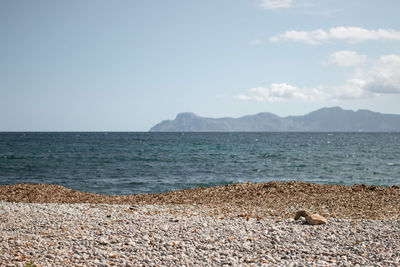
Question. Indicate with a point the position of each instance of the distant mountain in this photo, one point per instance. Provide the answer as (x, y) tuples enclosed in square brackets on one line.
[(323, 120)]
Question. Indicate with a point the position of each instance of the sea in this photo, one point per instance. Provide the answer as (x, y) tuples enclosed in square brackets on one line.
[(115, 163)]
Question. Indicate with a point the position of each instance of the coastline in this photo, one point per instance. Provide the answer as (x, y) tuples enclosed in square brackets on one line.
[(219, 226), (258, 200)]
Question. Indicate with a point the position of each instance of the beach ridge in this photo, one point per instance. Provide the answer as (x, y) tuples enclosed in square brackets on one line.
[(263, 200)]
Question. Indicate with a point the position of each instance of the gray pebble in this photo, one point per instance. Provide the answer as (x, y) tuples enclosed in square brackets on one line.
[(83, 234)]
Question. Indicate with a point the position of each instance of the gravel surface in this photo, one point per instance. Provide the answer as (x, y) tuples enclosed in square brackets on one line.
[(267, 200), (185, 235)]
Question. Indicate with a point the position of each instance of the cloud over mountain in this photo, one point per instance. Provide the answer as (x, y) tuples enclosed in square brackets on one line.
[(280, 92), (380, 77)]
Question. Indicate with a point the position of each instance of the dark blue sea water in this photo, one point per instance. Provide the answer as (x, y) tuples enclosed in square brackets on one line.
[(130, 163)]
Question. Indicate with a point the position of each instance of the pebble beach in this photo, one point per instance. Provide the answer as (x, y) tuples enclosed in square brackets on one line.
[(72, 228)]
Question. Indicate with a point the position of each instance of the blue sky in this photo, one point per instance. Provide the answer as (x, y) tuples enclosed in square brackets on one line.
[(126, 65)]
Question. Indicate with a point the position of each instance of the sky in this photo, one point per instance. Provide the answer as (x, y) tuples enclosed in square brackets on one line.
[(95, 65)]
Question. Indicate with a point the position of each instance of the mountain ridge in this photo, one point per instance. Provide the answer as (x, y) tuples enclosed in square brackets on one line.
[(328, 119)]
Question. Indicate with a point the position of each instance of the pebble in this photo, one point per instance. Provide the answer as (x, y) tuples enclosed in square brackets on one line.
[(104, 235)]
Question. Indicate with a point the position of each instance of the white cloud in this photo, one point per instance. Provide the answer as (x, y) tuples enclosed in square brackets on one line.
[(381, 77), (346, 58), (256, 42), (384, 76), (352, 89), (347, 34), (280, 92), (272, 4), (372, 80)]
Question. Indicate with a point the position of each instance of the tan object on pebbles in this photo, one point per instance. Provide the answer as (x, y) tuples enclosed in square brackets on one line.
[(312, 219)]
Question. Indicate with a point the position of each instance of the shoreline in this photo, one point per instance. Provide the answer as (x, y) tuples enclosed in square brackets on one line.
[(256, 200)]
